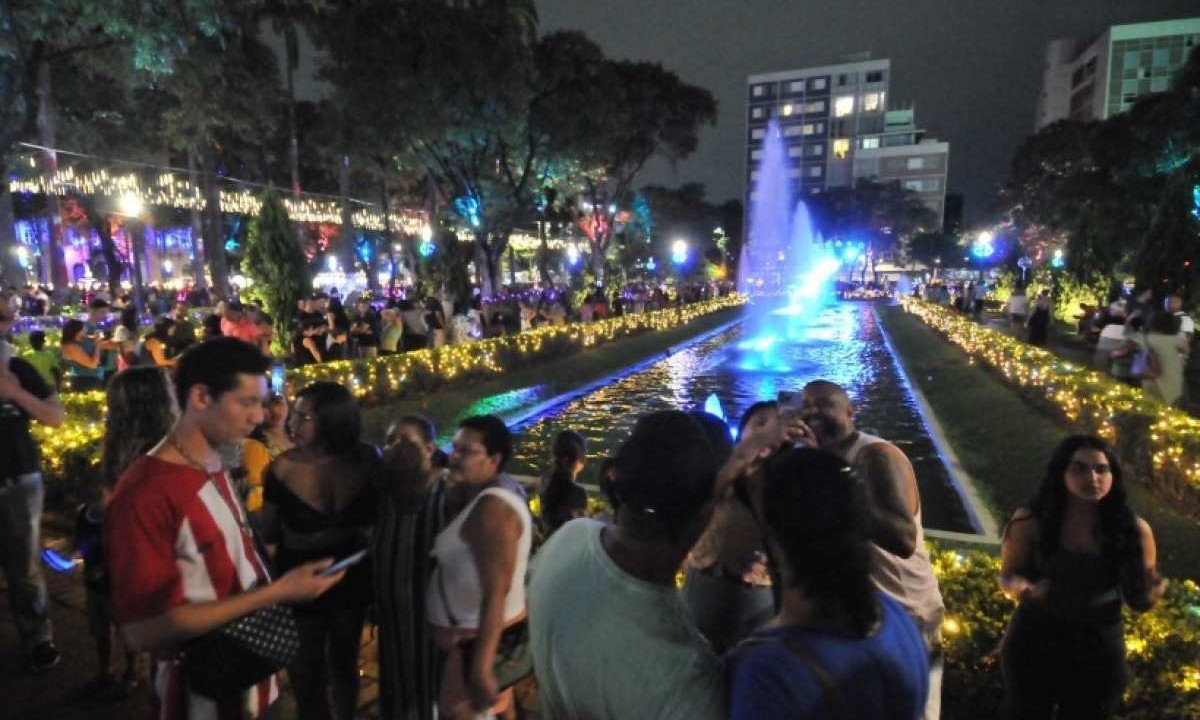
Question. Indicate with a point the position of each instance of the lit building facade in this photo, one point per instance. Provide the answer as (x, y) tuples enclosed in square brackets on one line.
[(837, 129), (1108, 75)]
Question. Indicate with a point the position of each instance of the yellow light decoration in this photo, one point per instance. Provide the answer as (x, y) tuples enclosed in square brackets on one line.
[(388, 378), (1089, 400)]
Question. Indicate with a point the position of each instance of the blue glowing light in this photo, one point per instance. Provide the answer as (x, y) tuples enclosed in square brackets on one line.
[(679, 252), (57, 562), (1196, 201), (470, 208), (365, 250), (982, 249), (231, 245), (1058, 260), (712, 406), (651, 265), (851, 253), (426, 248)]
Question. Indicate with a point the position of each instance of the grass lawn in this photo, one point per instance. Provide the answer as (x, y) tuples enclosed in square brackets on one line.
[(1005, 444), (447, 406)]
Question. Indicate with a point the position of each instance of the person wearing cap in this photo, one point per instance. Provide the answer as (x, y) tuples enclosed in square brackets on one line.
[(235, 323), (609, 633)]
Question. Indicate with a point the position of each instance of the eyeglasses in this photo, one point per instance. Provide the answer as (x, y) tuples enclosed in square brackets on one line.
[(467, 450)]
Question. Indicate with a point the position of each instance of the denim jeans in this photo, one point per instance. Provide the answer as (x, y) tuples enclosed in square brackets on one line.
[(20, 550)]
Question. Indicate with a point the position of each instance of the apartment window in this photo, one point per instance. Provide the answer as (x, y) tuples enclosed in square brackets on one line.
[(758, 134), (787, 110), (817, 84), (843, 106), (916, 163), (758, 113), (870, 143), (793, 172), (841, 148), (843, 80), (796, 151), (816, 150), (930, 185), (812, 128), (875, 76), (758, 90), (813, 171), (793, 130), (756, 154), (872, 102), (753, 174), (796, 86), (815, 106)]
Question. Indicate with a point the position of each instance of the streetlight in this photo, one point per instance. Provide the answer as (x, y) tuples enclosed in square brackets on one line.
[(679, 252), (130, 204), (983, 247)]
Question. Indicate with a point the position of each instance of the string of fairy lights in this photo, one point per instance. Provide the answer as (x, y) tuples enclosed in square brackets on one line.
[(1085, 397), (396, 376)]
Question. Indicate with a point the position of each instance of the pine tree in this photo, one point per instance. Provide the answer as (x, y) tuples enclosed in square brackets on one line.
[(274, 264)]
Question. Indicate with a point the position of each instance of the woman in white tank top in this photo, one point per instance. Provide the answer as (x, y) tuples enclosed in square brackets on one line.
[(478, 587)]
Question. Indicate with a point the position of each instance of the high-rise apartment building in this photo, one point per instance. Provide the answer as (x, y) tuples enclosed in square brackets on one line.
[(1108, 75), (837, 129)]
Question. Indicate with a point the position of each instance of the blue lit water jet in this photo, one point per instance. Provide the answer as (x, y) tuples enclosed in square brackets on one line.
[(784, 267)]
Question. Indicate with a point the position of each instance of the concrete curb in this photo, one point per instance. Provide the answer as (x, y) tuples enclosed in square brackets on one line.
[(977, 511)]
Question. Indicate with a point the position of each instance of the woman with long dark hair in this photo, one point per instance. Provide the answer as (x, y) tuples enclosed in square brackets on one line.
[(1070, 557), (141, 411), (318, 503), (156, 344), (562, 498), (837, 648), (82, 358)]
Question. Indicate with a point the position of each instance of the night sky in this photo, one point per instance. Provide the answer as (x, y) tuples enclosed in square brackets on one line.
[(972, 68)]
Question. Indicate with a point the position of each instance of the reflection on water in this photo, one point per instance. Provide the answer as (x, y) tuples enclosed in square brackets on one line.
[(843, 344)]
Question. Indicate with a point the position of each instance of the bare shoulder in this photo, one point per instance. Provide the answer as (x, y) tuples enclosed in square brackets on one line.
[(1144, 530), (1022, 526)]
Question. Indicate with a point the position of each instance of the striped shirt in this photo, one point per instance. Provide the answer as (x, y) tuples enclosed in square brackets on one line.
[(172, 537)]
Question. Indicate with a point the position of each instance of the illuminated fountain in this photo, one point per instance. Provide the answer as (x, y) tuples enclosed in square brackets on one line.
[(783, 266)]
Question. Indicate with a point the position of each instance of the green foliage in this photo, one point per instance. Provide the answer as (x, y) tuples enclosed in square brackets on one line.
[(1163, 645), (1070, 293), (1116, 193), (275, 264)]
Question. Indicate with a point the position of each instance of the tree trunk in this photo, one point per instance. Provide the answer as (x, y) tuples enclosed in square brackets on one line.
[(198, 244), (289, 36), (112, 259), (214, 231), (348, 236), (543, 257), (11, 272), (137, 253), (46, 136)]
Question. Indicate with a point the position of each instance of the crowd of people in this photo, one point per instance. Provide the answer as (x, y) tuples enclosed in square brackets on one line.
[(808, 589), (109, 336)]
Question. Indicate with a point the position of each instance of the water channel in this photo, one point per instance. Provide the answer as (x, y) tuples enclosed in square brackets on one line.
[(843, 343)]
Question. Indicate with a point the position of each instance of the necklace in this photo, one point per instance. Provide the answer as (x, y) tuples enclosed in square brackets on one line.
[(174, 441)]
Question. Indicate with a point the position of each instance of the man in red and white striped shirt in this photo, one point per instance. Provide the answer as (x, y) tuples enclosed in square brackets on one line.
[(180, 555)]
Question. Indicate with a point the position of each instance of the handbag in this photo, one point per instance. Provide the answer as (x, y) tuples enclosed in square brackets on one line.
[(225, 662), (242, 653), (514, 653)]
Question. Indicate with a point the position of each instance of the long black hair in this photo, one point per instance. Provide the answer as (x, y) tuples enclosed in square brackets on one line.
[(1120, 541), (339, 422), (140, 413), (815, 509), (569, 449)]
